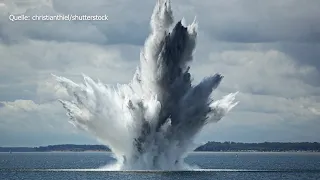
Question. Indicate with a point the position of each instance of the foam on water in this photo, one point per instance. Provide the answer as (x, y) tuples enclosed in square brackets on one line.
[(150, 123)]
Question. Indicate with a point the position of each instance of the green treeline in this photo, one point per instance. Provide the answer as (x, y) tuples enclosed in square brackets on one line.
[(261, 147), (210, 146)]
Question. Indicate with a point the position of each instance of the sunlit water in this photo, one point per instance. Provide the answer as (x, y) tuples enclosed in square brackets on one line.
[(229, 166)]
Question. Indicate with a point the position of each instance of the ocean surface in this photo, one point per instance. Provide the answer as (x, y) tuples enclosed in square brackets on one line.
[(230, 166)]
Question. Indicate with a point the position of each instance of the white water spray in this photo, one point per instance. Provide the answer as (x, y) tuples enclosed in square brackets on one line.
[(150, 123)]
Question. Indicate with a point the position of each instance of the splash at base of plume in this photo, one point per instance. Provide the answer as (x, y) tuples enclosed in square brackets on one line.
[(150, 123), (120, 167)]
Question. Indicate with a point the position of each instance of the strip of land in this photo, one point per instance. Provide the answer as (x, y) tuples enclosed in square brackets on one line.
[(210, 146)]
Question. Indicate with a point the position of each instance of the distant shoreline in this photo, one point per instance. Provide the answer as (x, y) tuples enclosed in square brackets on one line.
[(208, 147), (200, 152)]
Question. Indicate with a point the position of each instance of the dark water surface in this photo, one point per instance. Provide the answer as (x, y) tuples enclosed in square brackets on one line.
[(231, 166)]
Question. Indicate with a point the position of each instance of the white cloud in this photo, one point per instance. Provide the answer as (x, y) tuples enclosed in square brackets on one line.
[(27, 116), (18, 6), (272, 93), (32, 62), (314, 110), (260, 72)]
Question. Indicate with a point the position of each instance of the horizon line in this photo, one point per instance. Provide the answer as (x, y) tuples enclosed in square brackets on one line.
[(296, 142)]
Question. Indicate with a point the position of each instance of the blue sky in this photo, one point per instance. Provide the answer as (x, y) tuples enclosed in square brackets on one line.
[(267, 50)]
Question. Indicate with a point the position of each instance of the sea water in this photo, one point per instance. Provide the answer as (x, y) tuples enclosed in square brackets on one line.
[(224, 165)]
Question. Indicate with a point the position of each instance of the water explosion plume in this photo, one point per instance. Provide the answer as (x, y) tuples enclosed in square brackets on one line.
[(151, 122)]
